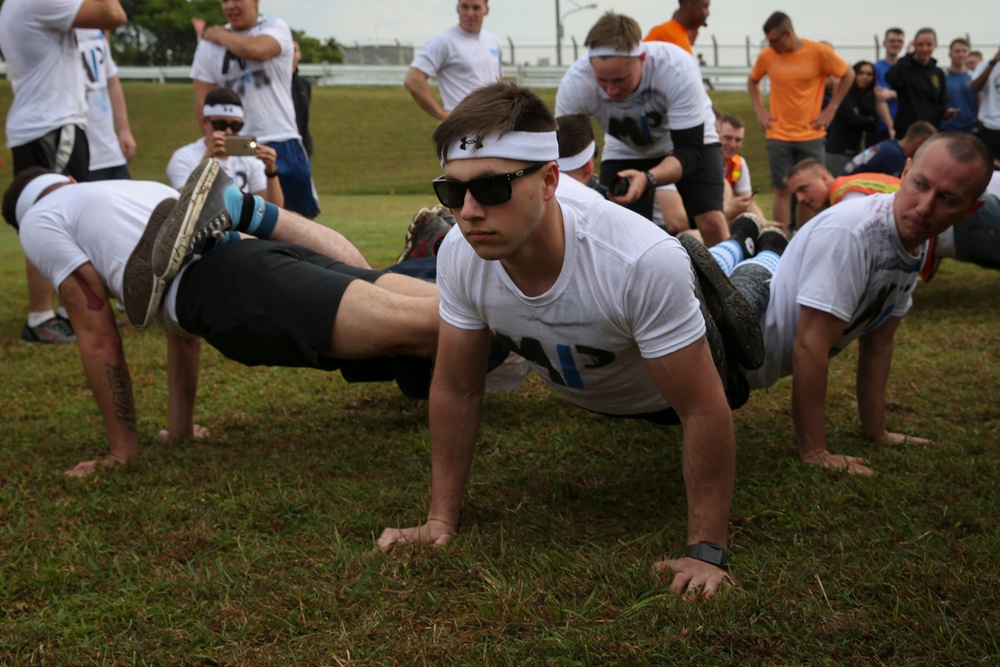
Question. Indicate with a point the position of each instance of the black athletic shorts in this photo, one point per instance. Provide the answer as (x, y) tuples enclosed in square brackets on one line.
[(64, 150), (264, 303)]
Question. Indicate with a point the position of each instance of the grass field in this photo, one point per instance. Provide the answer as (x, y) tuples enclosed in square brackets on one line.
[(256, 546)]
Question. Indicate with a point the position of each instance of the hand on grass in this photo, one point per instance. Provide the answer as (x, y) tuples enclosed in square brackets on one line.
[(198, 432), (694, 578), (87, 468), (434, 532), (854, 464)]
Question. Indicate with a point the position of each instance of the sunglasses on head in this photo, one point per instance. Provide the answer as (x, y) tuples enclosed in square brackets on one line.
[(487, 190), (221, 125)]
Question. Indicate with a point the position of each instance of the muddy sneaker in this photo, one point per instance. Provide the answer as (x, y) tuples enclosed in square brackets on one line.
[(53, 331), (199, 214), (426, 232), (142, 289), (732, 313), (772, 239)]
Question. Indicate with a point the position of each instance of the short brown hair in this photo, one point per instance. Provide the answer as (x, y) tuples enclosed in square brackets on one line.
[(13, 192), (223, 96), (615, 30), (498, 108), (919, 130), (809, 164), (732, 121), (575, 134), (965, 148), (959, 40)]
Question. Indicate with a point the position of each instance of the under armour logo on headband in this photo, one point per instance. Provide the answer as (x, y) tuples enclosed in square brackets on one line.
[(475, 143)]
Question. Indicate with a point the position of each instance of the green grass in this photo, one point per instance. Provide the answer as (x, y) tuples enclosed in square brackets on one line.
[(256, 546)]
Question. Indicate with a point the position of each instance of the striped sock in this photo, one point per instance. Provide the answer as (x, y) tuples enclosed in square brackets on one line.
[(727, 254), (250, 213)]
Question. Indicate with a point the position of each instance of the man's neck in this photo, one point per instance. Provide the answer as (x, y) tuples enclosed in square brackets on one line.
[(536, 265), (957, 69), (891, 60)]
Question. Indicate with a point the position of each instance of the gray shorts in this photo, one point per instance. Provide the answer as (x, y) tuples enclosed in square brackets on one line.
[(783, 155)]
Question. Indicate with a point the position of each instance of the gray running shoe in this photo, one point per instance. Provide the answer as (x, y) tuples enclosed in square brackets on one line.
[(200, 213), (731, 311), (53, 331), (142, 289), (426, 231)]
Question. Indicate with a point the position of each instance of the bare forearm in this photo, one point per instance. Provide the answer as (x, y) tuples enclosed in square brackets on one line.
[(183, 364), (809, 381), (454, 424), (874, 363), (420, 89), (709, 473)]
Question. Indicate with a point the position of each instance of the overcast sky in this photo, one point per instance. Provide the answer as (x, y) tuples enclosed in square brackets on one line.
[(531, 24)]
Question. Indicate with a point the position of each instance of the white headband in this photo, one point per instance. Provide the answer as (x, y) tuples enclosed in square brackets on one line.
[(530, 146), (571, 162), (33, 190), (610, 51), (228, 110)]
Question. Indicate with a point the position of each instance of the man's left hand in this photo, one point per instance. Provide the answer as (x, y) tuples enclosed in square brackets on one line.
[(694, 578), (822, 121), (637, 184)]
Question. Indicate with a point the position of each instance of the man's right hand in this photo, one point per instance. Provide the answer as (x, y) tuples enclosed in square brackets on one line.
[(434, 532), (854, 464), (765, 119)]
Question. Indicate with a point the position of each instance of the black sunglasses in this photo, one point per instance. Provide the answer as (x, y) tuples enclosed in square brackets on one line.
[(221, 125), (487, 190)]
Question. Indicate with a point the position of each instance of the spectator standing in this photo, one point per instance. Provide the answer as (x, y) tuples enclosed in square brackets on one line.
[(253, 55), (461, 58), (796, 123), (986, 83), (959, 89), (893, 43), (854, 118), (46, 121), (302, 98), (919, 84), (689, 17), (109, 134)]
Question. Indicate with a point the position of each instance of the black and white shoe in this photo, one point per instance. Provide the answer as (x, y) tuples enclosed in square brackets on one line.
[(200, 213), (142, 289)]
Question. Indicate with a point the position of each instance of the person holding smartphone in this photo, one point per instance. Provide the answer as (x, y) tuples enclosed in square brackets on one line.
[(251, 165)]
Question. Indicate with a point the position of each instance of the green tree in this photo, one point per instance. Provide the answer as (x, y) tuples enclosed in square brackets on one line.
[(160, 32), (316, 51)]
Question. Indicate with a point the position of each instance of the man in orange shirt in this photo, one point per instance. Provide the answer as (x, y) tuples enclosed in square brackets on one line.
[(796, 124), (682, 29)]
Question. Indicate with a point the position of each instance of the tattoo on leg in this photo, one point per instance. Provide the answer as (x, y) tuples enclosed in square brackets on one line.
[(121, 396), (94, 302)]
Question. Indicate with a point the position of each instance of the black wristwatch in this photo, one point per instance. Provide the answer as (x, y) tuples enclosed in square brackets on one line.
[(271, 174), (709, 553), (651, 179)]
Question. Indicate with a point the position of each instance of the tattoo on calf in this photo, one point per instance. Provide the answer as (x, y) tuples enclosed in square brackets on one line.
[(121, 396)]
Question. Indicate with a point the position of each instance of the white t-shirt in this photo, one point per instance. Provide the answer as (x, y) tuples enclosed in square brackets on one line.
[(265, 86), (625, 293), (39, 47), (461, 61), (849, 262), (571, 189), (670, 95), (99, 222), (245, 170), (98, 67), (989, 98)]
